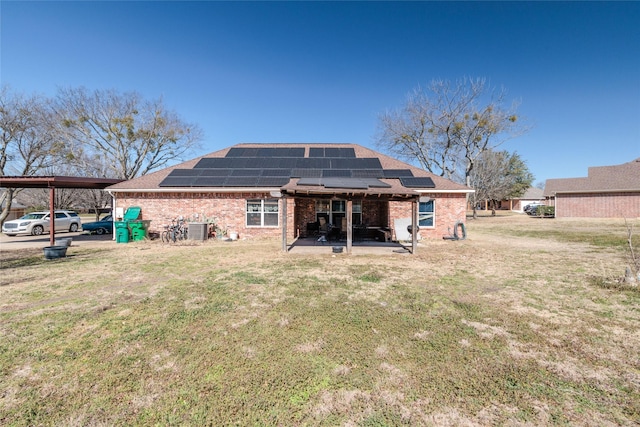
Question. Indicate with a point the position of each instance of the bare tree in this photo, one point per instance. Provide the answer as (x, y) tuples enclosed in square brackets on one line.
[(499, 175), (28, 140), (92, 165), (447, 127), (135, 135)]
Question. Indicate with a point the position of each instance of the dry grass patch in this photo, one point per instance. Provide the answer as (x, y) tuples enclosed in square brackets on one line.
[(505, 327)]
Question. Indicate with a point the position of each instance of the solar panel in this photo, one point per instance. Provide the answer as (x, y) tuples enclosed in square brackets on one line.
[(185, 172), (255, 163), (397, 173), (215, 172), (342, 163), (369, 163), (310, 181), (272, 181), (347, 152), (417, 182), (283, 162), (346, 173), (210, 181), (355, 163), (351, 183), (236, 152), (276, 172), (316, 152), (280, 152), (237, 163), (331, 152), (179, 181), (313, 163), (306, 173), (367, 173), (241, 181), (296, 152), (211, 162), (245, 172)]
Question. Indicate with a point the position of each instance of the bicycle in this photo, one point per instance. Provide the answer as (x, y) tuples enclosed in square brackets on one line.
[(174, 232)]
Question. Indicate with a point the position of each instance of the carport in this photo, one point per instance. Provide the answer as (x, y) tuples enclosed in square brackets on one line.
[(53, 182)]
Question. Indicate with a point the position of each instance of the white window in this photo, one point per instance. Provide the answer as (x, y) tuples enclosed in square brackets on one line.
[(426, 214), (262, 213)]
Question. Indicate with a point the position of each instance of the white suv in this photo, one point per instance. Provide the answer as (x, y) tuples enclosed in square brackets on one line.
[(36, 223)]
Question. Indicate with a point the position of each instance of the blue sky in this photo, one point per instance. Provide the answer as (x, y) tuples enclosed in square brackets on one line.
[(325, 71)]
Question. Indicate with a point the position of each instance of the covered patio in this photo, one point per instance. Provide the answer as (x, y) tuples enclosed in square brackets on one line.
[(368, 230)]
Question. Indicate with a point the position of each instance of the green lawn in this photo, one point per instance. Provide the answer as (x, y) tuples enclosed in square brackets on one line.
[(506, 327)]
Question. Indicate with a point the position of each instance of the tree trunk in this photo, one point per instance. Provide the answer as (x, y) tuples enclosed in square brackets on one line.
[(7, 199)]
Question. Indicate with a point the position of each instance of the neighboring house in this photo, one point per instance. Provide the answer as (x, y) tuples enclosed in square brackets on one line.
[(259, 190), (532, 195), (17, 210), (607, 192)]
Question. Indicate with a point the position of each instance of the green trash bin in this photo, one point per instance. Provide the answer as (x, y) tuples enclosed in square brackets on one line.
[(138, 230), (122, 232)]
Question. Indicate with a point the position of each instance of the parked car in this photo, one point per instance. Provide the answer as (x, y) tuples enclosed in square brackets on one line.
[(532, 208), (37, 223), (103, 226)]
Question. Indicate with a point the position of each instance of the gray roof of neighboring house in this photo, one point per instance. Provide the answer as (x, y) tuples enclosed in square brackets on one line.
[(600, 179), (296, 169), (533, 193), (14, 205)]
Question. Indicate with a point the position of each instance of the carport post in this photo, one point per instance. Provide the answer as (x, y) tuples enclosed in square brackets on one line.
[(414, 225), (52, 216)]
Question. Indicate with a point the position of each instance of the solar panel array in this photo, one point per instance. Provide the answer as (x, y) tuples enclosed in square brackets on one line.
[(330, 167), (289, 162)]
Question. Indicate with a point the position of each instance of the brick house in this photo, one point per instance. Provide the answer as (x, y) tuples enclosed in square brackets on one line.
[(607, 192), (250, 188)]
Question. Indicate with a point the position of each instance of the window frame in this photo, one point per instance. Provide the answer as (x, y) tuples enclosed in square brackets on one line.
[(427, 214), (262, 212)]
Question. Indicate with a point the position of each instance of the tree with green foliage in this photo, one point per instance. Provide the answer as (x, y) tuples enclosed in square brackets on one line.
[(499, 175)]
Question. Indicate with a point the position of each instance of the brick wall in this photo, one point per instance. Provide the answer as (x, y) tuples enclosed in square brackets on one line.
[(600, 205), (229, 210), (449, 208)]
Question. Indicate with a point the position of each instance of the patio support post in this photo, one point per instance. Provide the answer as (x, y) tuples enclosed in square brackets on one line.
[(52, 215), (284, 223), (349, 225)]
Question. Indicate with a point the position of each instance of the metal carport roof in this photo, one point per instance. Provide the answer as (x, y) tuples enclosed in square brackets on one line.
[(53, 182)]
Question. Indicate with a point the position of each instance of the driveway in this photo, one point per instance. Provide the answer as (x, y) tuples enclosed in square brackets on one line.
[(8, 243)]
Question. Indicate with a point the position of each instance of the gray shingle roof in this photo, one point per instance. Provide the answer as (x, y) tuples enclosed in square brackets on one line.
[(600, 179)]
